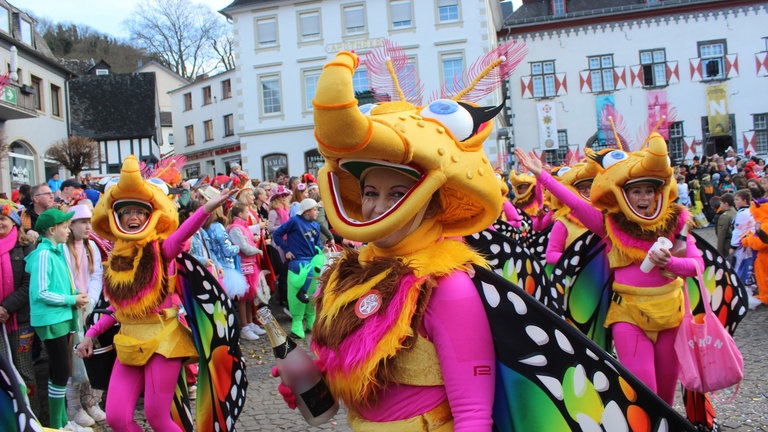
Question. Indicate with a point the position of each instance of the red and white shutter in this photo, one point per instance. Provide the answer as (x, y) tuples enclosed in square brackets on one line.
[(526, 86), (585, 81), (696, 74), (636, 79), (673, 73), (731, 65), (619, 78), (761, 61), (560, 87), (749, 140)]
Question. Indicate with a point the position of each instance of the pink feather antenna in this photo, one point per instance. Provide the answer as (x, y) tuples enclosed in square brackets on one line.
[(391, 76), (486, 74)]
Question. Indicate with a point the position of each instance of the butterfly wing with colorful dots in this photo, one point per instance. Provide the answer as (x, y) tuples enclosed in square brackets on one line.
[(221, 377), (518, 263), (585, 278), (551, 377), (15, 413)]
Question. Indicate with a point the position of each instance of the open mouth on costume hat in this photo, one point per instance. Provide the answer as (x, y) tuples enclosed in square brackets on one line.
[(659, 197), (581, 183), (358, 169), (133, 226)]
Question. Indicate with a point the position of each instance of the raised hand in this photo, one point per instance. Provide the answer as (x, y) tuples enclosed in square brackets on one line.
[(529, 161)]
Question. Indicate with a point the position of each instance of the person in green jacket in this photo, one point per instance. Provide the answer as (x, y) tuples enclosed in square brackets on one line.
[(53, 301)]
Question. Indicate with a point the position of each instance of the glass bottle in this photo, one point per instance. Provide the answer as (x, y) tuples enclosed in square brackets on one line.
[(299, 372), (681, 241)]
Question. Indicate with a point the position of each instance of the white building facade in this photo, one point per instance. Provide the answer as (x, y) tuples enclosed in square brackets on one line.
[(696, 69), (281, 47), (33, 105), (166, 81), (205, 125)]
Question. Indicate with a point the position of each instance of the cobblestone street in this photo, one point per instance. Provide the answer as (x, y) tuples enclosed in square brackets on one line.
[(266, 411)]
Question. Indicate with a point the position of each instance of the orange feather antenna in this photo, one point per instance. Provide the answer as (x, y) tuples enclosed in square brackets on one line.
[(487, 73), (169, 169), (390, 75), (611, 118)]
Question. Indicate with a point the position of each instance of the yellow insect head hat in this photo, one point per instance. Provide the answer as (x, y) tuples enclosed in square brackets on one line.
[(439, 144), (619, 169), (130, 188)]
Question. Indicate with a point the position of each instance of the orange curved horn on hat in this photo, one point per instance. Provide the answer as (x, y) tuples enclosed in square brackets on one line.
[(657, 159)]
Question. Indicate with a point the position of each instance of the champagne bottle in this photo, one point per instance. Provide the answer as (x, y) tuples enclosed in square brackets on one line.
[(297, 370)]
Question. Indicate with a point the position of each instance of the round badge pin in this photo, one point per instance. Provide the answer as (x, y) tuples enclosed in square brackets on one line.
[(368, 304)]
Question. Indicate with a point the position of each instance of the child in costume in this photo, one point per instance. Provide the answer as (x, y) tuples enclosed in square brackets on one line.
[(637, 192), (241, 236), (53, 303), (139, 282), (299, 237), (758, 242), (84, 260), (529, 197), (401, 329)]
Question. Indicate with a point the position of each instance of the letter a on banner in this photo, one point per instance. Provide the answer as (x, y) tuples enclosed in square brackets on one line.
[(717, 110)]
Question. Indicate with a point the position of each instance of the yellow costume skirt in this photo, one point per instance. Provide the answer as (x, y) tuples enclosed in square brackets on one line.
[(438, 419), (653, 309), (174, 339)]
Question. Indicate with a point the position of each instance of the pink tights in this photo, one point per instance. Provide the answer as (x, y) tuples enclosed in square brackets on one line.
[(157, 379), (655, 365)]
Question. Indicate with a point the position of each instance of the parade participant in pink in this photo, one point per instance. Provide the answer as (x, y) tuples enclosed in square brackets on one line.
[(633, 197), (139, 283)]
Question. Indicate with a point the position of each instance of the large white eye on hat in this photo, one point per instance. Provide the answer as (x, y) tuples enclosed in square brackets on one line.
[(159, 183), (452, 115), (562, 171), (612, 158)]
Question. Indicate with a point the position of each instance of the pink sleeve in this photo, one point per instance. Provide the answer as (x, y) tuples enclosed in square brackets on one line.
[(542, 220), (455, 321), (513, 217), (591, 217), (556, 243), (106, 321), (686, 266), (173, 244)]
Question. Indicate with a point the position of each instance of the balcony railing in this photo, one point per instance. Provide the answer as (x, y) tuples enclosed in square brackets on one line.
[(17, 102)]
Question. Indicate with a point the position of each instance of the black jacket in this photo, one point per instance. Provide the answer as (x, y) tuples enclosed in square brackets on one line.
[(18, 301)]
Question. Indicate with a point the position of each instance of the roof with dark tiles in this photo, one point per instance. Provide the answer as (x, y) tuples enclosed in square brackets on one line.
[(115, 106)]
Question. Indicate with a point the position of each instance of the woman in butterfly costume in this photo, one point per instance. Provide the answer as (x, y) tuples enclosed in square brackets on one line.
[(139, 282), (400, 327), (632, 204)]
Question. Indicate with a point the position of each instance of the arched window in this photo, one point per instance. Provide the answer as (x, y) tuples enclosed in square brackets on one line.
[(313, 160), (22, 164), (273, 163)]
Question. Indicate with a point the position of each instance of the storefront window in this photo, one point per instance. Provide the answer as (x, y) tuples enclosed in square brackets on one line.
[(22, 162), (313, 160), (272, 164)]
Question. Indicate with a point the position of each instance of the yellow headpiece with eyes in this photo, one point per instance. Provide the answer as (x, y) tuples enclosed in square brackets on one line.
[(441, 144), (570, 177), (619, 169), (132, 188)]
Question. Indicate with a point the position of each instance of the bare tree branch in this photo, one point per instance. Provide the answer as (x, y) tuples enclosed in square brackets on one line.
[(181, 34), (74, 153)]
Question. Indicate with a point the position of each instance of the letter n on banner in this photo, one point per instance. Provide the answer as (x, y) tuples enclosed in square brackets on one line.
[(717, 110), (547, 125)]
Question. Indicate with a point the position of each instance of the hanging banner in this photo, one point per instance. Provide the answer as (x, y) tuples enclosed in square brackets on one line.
[(547, 125), (658, 112), (605, 104), (717, 110)]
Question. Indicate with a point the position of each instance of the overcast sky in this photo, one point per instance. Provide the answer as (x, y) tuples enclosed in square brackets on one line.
[(106, 16)]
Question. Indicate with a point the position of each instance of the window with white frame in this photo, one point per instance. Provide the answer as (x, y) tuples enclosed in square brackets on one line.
[(676, 144), (26, 32), (189, 131), (55, 100), (310, 85), (654, 64), (401, 13), (229, 125), (271, 97), (558, 8), (208, 128), (354, 19), (447, 11), (360, 80), (601, 71), (760, 125), (543, 78), (266, 32), (712, 55), (5, 20), (309, 25), (452, 69)]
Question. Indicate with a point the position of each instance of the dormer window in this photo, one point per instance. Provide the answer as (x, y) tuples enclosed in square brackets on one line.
[(26, 32), (5, 20), (558, 8), (102, 71)]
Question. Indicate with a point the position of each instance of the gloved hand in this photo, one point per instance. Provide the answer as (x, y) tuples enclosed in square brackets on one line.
[(285, 391)]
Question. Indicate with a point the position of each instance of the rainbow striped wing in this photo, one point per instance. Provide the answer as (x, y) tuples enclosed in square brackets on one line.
[(519, 264), (551, 377), (583, 274), (221, 377)]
